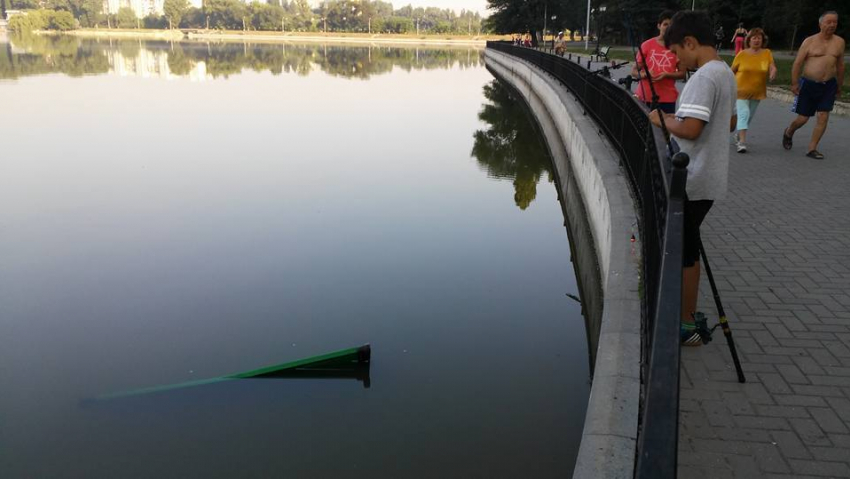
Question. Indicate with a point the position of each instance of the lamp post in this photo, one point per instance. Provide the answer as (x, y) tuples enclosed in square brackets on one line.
[(599, 13), (554, 17), (545, 16), (587, 27)]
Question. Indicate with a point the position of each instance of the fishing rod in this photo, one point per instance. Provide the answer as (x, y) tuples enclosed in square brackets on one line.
[(345, 363), (653, 94), (723, 323)]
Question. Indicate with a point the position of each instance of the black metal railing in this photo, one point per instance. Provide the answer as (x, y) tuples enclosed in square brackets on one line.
[(658, 185)]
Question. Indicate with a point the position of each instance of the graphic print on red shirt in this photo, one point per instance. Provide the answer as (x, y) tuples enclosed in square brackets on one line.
[(659, 60)]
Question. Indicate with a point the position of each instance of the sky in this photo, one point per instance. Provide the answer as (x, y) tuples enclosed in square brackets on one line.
[(457, 5), (478, 5)]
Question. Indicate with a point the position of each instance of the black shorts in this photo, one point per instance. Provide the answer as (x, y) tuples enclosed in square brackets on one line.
[(695, 212), (815, 96), (665, 107)]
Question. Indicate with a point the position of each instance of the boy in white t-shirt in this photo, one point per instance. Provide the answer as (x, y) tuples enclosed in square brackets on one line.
[(705, 115)]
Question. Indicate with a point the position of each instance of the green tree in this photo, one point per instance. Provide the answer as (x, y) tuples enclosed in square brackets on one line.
[(41, 20), (22, 24), (346, 15), (126, 18), (226, 14), (58, 5), (265, 16), (787, 22), (88, 12), (23, 4), (519, 16), (158, 22), (174, 11), (397, 24), (194, 18), (300, 16), (61, 21)]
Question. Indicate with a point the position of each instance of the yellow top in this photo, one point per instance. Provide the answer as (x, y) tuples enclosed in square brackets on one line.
[(752, 74)]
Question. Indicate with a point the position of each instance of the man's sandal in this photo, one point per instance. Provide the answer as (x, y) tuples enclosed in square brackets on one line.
[(815, 154), (787, 141)]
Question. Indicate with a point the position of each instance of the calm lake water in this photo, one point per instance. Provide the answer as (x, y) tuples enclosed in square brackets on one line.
[(174, 212)]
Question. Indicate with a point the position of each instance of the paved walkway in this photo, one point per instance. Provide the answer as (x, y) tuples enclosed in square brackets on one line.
[(779, 246)]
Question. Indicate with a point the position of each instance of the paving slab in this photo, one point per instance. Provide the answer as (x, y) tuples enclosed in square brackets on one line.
[(779, 247)]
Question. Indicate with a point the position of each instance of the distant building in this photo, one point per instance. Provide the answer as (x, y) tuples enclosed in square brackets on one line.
[(151, 64), (142, 8), (13, 13)]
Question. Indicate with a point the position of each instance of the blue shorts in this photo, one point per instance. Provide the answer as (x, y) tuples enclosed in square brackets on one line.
[(815, 96)]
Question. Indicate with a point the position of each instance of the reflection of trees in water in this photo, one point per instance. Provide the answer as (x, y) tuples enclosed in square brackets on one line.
[(224, 59), (50, 54), (512, 147)]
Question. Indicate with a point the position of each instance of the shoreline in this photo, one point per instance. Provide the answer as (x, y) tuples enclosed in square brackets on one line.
[(272, 37)]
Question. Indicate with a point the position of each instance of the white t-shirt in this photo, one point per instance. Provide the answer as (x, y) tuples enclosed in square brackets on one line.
[(709, 95)]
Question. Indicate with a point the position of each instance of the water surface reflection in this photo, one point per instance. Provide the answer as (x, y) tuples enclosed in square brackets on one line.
[(31, 54), (158, 230), (511, 147)]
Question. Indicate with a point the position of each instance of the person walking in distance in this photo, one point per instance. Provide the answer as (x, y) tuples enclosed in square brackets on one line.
[(718, 35), (663, 68), (821, 59), (704, 117), (752, 68), (739, 37)]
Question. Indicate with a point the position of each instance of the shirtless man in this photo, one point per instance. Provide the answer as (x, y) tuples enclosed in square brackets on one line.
[(823, 75)]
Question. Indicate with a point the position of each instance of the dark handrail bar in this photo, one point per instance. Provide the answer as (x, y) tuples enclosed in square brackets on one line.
[(658, 441), (658, 185)]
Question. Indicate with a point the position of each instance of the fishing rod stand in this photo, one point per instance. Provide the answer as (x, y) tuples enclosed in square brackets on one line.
[(627, 82)]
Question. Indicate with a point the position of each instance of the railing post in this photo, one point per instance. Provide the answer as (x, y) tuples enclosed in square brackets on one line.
[(658, 442)]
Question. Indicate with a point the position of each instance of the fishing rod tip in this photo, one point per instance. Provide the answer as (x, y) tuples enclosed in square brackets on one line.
[(364, 353)]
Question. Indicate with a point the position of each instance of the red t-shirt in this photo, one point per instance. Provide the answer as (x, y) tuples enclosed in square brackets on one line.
[(659, 60)]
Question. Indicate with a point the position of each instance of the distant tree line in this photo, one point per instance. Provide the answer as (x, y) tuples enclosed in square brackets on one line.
[(365, 16), (42, 20), (787, 22)]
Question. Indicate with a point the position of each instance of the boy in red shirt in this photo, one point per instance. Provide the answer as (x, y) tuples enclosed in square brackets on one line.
[(663, 67)]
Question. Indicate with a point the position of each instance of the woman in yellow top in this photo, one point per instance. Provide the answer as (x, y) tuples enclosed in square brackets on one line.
[(752, 66)]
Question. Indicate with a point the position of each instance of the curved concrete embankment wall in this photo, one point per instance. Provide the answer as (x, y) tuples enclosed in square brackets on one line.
[(580, 150)]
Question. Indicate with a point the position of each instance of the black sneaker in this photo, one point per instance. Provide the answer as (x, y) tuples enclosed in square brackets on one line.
[(698, 333)]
